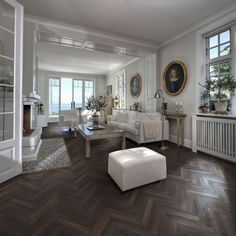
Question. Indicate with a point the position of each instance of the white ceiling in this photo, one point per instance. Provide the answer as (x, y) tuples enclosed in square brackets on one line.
[(73, 60), (150, 20)]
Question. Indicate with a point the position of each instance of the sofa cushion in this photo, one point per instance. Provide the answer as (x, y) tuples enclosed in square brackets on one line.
[(130, 128), (132, 116), (122, 117), (114, 123)]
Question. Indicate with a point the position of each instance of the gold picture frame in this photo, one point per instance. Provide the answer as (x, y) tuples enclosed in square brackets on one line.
[(175, 77), (136, 85)]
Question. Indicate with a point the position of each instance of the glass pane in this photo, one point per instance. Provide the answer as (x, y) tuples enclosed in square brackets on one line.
[(6, 71), (225, 67), (6, 99), (6, 44), (7, 16), (213, 41), (6, 127), (225, 49), (78, 93), (225, 37), (88, 89), (213, 53), (213, 78), (66, 93), (54, 97), (214, 70)]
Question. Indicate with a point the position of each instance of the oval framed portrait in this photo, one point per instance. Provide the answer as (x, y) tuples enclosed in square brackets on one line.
[(135, 85), (175, 78)]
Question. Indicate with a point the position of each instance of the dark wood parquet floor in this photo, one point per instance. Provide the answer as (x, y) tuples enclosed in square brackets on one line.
[(198, 198)]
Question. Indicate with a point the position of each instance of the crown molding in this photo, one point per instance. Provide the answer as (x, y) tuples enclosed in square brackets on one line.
[(122, 67), (58, 74), (91, 32), (202, 24)]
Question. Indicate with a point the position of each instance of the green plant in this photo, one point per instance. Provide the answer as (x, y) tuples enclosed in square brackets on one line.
[(221, 88), (96, 104)]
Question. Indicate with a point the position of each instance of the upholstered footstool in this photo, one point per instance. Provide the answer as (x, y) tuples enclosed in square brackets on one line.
[(134, 167)]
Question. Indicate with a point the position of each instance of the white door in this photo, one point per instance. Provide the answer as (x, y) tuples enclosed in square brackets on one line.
[(11, 46)]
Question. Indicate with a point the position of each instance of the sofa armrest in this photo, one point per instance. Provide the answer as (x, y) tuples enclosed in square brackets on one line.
[(139, 126), (111, 118)]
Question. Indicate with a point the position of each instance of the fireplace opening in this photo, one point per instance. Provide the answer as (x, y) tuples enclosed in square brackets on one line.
[(27, 116)]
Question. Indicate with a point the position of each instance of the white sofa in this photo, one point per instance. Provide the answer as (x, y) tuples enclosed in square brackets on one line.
[(140, 127)]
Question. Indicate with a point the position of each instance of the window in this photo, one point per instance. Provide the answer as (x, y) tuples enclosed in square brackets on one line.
[(219, 56), (54, 97), (66, 93), (62, 91), (219, 45), (78, 93), (121, 90)]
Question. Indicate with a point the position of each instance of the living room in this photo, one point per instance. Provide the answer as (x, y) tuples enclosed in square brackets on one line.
[(113, 117)]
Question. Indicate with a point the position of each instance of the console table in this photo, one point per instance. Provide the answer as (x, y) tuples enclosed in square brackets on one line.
[(179, 117)]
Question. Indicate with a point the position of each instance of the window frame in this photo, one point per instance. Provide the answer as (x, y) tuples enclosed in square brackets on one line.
[(73, 95), (123, 86), (220, 59)]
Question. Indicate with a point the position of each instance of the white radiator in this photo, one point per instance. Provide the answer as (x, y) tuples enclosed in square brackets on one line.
[(215, 135)]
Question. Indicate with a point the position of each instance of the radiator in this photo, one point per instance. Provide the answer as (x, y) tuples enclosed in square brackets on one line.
[(215, 135)]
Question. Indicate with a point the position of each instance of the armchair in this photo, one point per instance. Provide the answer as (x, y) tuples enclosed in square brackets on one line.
[(67, 118)]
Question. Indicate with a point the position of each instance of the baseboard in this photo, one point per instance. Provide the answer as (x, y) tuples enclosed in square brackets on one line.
[(187, 142)]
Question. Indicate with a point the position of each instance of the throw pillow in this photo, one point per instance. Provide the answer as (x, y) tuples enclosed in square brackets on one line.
[(122, 117)]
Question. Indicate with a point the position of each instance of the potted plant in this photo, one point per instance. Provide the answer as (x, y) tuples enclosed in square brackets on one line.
[(95, 104), (220, 89)]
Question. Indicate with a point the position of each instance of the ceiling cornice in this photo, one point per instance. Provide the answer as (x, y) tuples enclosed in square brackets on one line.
[(91, 32), (202, 24), (122, 67)]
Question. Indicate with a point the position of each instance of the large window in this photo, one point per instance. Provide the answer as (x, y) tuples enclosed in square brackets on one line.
[(64, 91), (121, 89), (54, 97), (219, 56)]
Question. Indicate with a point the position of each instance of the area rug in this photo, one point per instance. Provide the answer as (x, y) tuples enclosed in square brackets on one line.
[(52, 154)]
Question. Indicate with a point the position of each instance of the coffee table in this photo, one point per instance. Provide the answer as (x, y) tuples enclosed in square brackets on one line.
[(107, 132)]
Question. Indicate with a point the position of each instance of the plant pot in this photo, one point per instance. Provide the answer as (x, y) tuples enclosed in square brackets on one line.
[(204, 109), (221, 107), (95, 120)]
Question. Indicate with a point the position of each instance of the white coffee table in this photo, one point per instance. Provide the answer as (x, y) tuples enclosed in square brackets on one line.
[(106, 133)]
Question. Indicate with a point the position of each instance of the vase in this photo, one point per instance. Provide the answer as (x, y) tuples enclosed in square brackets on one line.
[(95, 119), (221, 107)]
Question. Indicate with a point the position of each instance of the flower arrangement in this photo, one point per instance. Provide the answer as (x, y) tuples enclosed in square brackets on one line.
[(221, 88), (96, 104)]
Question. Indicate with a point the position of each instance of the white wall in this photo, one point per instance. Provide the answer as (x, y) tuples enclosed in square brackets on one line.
[(190, 49), (184, 50), (146, 67), (28, 58)]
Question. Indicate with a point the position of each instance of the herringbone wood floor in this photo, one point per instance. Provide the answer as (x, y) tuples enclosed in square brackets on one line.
[(198, 198)]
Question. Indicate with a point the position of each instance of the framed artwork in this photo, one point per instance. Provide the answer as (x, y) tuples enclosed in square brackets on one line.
[(109, 90), (135, 85), (175, 78)]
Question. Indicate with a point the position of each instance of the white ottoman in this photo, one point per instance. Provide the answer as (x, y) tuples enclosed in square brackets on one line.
[(134, 167)]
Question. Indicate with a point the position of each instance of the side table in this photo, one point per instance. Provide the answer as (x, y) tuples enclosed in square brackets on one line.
[(179, 117)]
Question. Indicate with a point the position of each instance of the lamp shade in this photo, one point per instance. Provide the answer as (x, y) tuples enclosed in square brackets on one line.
[(158, 93)]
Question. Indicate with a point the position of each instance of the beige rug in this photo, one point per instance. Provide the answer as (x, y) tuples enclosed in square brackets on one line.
[(52, 154)]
